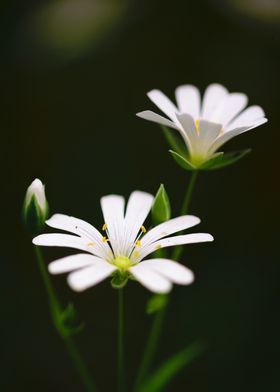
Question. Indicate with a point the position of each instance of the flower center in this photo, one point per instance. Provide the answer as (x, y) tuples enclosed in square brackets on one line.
[(122, 262)]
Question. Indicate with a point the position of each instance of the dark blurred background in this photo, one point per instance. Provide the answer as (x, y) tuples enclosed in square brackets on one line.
[(73, 75)]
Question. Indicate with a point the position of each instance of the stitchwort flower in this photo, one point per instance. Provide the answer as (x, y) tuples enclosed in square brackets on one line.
[(205, 125), (119, 251)]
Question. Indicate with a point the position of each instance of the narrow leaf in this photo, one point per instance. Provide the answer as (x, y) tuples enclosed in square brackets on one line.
[(169, 369), (67, 321), (182, 161), (174, 141), (223, 160)]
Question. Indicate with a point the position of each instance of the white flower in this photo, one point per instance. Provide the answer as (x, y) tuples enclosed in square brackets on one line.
[(207, 124), (127, 243)]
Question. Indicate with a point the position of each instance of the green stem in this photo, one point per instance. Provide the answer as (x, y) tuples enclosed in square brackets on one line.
[(56, 312), (155, 332), (121, 374), (79, 364), (177, 253), (151, 347), (45, 276)]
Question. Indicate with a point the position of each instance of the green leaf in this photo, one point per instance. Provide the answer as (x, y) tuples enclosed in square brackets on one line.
[(67, 321), (169, 369), (69, 314), (161, 210), (182, 161), (174, 141), (156, 303), (221, 160)]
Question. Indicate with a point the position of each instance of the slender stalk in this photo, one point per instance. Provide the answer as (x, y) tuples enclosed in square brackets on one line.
[(155, 332), (56, 311), (79, 364), (177, 253), (150, 348), (121, 373)]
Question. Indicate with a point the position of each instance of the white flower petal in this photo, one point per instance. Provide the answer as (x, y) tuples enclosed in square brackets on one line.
[(151, 116), (191, 135), (71, 263), (174, 241), (188, 100), (138, 207), (232, 133), (62, 240), (213, 95), (90, 276), (248, 117), (113, 212), (150, 279), (169, 227), (208, 132), (163, 103), (229, 108), (171, 270), (81, 228)]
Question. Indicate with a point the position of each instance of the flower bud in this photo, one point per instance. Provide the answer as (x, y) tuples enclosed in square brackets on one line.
[(35, 207)]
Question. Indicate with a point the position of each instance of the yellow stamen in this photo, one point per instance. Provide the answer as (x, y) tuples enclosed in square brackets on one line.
[(138, 243), (105, 239), (136, 254), (104, 227), (143, 229), (197, 125), (90, 244)]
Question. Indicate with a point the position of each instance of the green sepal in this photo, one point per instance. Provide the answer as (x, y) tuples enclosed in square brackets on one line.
[(220, 159), (33, 216), (156, 303), (174, 141), (182, 161), (170, 368), (161, 210), (119, 280)]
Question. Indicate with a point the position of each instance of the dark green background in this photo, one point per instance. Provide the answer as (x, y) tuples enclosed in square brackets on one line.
[(70, 121)]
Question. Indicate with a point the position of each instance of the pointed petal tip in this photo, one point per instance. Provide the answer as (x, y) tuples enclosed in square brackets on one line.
[(143, 113)]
